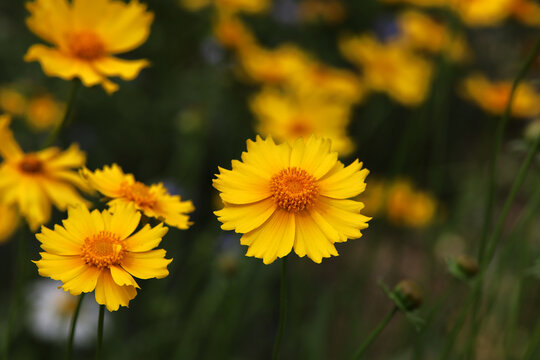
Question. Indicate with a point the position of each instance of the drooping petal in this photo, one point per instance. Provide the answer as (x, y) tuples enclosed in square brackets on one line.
[(122, 277), (110, 294), (126, 69), (310, 239), (84, 282)]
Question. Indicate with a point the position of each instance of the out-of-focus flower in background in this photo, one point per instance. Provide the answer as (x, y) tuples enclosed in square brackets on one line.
[(328, 11), (44, 112), (230, 6), (9, 221), (50, 312), (390, 68), (154, 200), (289, 196), (85, 35), (288, 116), (100, 251), (12, 102), (34, 181), (492, 97)]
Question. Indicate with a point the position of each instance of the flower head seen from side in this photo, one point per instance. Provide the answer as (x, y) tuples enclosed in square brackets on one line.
[(100, 251), (33, 181), (289, 196), (154, 200), (86, 34)]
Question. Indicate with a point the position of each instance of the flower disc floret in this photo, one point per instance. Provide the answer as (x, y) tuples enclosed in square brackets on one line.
[(31, 164), (294, 189), (86, 45), (103, 249), (139, 193)]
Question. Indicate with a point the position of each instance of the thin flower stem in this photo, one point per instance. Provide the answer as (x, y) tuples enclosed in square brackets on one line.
[(68, 115), (282, 309), (100, 331), (69, 351), (362, 349), (497, 149)]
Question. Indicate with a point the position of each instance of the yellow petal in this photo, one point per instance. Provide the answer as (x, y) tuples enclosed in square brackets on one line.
[(314, 156), (266, 156), (62, 195), (310, 240), (146, 265), (344, 182), (56, 243), (79, 222), (245, 218), (49, 19), (145, 239), (110, 294), (73, 157), (122, 277), (125, 220), (59, 267), (84, 282), (344, 216), (275, 238), (238, 187), (126, 69), (9, 148)]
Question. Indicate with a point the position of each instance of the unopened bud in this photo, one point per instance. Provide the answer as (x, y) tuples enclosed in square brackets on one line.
[(467, 265), (409, 294)]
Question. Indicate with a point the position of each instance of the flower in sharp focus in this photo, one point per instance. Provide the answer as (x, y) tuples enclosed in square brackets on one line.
[(33, 181), (154, 200), (289, 196), (100, 251), (85, 35)]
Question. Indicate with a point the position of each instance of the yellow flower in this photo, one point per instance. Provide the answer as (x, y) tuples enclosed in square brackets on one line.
[(85, 34), (231, 6), (154, 201), (273, 66), (44, 112), (287, 117), (482, 12), (232, 33), (390, 68), (424, 3), (287, 196), (99, 251), (421, 32), (9, 221), (330, 11), (12, 102), (32, 181), (408, 207), (528, 12), (493, 97)]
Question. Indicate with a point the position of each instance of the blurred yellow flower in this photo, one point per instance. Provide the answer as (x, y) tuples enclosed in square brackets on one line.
[(408, 207), (9, 221), (424, 3), (85, 34), (154, 200), (527, 11), (329, 11), (287, 117), (390, 68), (44, 112), (34, 181), (231, 6), (273, 66), (231, 32), (482, 12), (493, 97), (99, 251), (12, 102), (287, 196), (422, 32)]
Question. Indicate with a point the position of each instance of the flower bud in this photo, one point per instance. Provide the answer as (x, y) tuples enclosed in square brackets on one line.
[(410, 295), (467, 265)]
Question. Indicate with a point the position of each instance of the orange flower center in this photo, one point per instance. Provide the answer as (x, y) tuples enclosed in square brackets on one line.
[(86, 45), (299, 128), (103, 249), (293, 189), (139, 193), (31, 164)]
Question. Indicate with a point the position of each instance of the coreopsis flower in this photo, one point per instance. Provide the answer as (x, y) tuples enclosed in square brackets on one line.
[(43, 112), (390, 67), (329, 11), (86, 34), (289, 196), (100, 251), (33, 181), (12, 102), (409, 207), (493, 97), (288, 116), (232, 33), (231, 6), (422, 32), (527, 12), (154, 200), (482, 12), (9, 221)]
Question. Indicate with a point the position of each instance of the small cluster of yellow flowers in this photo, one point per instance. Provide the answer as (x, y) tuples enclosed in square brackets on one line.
[(229, 6), (328, 11), (292, 196), (85, 35), (493, 97), (485, 12), (32, 182), (390, 67), (400, 203), (41, 112)]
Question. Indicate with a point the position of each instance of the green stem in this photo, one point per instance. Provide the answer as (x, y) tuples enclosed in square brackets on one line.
[(497, 149), (100, 331), (69, 351), (282, 309), (362, 349), (68, 115)]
